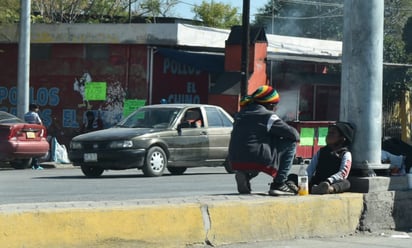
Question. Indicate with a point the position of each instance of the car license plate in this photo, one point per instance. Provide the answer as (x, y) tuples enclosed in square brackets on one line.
[(30, 135), (90, 157)]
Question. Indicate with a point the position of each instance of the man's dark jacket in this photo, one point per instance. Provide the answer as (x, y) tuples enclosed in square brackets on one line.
[(255, 134)]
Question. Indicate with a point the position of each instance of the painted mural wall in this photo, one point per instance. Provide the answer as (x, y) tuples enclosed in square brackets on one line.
[(61, 75)]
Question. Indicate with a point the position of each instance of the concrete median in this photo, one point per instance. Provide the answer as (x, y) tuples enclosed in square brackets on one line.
[(178, 222)]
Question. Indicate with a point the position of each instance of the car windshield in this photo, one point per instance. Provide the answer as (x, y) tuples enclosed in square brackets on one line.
[(150, 118), (9, 118)]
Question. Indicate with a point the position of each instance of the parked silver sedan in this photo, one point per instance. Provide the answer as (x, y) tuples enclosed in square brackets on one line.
[(157, 137)]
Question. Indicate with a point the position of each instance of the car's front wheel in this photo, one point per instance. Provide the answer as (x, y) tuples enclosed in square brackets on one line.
[(20, 164), (90, 171), (155, 162), (176, 170)]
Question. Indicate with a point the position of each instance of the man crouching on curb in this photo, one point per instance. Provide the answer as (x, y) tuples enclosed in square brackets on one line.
[(262, 142)]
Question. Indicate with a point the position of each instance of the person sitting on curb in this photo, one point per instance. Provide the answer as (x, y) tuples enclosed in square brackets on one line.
[(330, 166), (262, 142)]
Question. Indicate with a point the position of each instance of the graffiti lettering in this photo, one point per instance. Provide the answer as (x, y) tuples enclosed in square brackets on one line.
[(190, 97), (191, 88), (46, 116), (69, 118), (183, 98), (176, 68), (42, 96)]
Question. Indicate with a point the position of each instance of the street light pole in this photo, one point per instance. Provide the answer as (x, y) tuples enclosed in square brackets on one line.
[(273, 16), (23, 60), (245, 48)]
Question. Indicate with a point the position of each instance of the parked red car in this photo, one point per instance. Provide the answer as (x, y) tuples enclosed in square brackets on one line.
[(21, 141)]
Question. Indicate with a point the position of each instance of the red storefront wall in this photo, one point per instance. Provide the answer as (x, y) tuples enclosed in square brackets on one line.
[(178, 83), (58, 73)]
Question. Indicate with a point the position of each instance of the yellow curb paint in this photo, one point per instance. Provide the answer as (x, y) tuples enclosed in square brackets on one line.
[(177, 225), (168, 224), (284, 218)]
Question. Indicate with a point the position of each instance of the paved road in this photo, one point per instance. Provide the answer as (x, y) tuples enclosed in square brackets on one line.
[(69, 184)]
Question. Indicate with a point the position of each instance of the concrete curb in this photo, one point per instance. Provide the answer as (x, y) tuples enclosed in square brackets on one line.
[(176, 222)]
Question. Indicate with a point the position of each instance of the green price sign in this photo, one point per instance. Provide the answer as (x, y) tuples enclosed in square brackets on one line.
[(131, 105), (95, 91), (306, 136)]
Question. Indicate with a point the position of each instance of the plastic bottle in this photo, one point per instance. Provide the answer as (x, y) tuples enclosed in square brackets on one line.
[(303, 181)]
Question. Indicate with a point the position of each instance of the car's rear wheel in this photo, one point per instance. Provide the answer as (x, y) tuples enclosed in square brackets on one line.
[(155, 162), (20, 164), (90, 171), (176, 170)]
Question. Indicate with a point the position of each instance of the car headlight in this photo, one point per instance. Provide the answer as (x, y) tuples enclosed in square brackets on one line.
[(75, 145), (121, 144)]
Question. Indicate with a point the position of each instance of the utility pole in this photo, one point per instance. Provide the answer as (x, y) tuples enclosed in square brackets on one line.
[(23, 71), (361, 88), (245, 48)]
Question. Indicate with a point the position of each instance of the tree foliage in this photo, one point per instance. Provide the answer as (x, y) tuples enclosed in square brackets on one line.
[(321, 19), (397, 49), (396, 14), (216, 14), (155, 8), (69, 11), (9, 11), (86, 11)]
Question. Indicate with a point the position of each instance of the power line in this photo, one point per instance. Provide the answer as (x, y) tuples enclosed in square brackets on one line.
[(306, 18), (326, 15), (313, 3)]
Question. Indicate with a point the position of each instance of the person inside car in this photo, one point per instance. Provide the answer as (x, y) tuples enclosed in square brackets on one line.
[(192, 119)]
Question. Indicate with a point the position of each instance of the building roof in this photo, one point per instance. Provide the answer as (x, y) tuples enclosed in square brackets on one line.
[(176, 35)]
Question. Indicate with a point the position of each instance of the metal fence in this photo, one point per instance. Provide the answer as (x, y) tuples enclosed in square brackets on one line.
[(391, 121)]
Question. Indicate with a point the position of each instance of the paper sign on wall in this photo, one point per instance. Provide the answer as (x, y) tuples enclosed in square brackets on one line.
[(323, 131), (306, 136), (95, 91), (131, 105)]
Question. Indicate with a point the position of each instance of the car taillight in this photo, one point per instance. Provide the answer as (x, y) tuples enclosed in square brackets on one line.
[(43, 133), (12, 133)]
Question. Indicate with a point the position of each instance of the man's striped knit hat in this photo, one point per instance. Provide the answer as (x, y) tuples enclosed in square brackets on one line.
[(263, 95)]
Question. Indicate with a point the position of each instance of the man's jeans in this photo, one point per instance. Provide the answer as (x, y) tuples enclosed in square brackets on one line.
[(286, 150)]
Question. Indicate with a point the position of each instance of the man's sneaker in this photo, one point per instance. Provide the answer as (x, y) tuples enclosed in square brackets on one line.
[(243, 182), (281, 189), (321, 189), (292, 186), (38, 167)]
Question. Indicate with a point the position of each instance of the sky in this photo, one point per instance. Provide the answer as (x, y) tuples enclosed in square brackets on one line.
[(183, 9)]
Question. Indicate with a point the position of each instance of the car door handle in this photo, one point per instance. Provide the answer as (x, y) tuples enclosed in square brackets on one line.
[(203, 133)]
